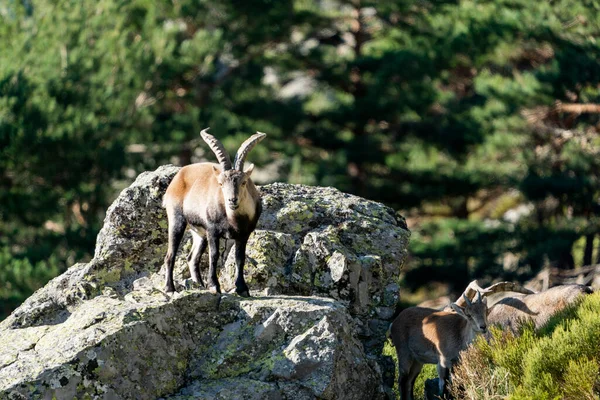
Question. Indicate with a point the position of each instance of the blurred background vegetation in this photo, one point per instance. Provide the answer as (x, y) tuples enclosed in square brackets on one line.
[(477, 120)]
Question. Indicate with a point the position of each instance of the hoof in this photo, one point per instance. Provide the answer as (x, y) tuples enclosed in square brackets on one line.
[(214, 290), (243, 293), (170, 288)]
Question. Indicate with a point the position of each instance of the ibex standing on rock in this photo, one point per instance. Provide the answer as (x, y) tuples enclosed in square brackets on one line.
[(429, 336), (217, 201)]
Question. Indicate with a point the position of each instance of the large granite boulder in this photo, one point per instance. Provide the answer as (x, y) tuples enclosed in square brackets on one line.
[(195, 344), (322, 265)]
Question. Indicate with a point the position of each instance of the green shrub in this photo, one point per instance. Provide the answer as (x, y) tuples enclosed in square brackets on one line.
[(575, 340), (560, 360), (20, 278), (580, 378), (508, 352), (473, 379)]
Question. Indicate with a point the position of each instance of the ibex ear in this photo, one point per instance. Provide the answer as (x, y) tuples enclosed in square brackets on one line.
[(458, 309), (249, 169), (216, 170)]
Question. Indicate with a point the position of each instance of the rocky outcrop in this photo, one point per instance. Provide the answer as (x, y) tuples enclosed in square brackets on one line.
[(322, 267)]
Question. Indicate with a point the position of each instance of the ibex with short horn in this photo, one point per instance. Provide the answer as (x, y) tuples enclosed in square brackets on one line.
[(428, 336), (217, 201)]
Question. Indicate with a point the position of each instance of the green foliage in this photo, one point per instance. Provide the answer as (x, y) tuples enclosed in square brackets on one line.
[(450, 249), (561, 360), (512, 61), (114, 74), (21, 278)]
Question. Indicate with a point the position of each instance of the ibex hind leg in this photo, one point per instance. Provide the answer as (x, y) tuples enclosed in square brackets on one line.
[(415, 370), (177, 226), (404, 386), (405, 365), (226, 250), (198, 248)]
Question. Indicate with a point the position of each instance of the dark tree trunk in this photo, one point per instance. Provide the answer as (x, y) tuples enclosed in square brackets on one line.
[(357, 168), (459, 207), (589, 249), (185, 154), (566, 260)]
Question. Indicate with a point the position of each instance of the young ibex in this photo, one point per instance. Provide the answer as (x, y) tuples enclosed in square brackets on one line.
[(217, 201), (429, 336)]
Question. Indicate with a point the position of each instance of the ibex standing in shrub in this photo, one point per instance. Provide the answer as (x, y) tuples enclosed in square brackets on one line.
[(217, 201), (428, 336)]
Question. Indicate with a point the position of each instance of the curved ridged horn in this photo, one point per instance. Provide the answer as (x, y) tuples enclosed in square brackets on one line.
[(245, 148), (467, 299), (217, 147)]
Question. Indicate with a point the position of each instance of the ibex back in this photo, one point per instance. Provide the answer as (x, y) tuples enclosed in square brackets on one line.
[(428, 336)]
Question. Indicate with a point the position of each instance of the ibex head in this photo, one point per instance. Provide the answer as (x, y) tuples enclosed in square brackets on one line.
[(474, 312), (232, 178)]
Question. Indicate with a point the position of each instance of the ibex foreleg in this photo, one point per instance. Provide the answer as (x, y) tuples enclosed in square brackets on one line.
[(443, 370), (240, 257)]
